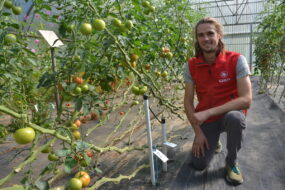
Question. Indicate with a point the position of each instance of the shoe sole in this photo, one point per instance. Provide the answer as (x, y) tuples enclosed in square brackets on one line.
[(218, 150), (233, 181)]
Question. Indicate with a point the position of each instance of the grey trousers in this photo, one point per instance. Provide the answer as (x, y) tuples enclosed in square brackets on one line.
[(233, 123)]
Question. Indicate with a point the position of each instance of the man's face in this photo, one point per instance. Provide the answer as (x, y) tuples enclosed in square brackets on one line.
[(208, 38)]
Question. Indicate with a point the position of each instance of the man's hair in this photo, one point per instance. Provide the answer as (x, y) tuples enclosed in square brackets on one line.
[(219, 30)]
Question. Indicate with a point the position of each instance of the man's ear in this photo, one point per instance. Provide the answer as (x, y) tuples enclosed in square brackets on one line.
[(220, 36)]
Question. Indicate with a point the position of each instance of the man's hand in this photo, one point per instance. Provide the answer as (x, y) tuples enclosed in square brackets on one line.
[(199, 145), (200, 117)]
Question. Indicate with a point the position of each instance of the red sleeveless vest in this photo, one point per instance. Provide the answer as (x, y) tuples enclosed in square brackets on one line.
[(215, 83)]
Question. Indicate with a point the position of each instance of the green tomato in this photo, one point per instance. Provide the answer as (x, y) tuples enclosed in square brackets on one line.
[(53, 157), (135, 103), (47, 149), (77, 58), (99, 24), (146, 11), (10, 38), (169, 55), (77, 90), (143, 90), (151, 8), (75, 184), (85, 87), (116, 22), (8, 4), (145, 3), (70, 27), (164, 74), (135, 90), (129, 25), (17, 10), (134, 57), (183, 39), (73, 127), (76, 134), (157, 73), (24, 135), (86, 28)]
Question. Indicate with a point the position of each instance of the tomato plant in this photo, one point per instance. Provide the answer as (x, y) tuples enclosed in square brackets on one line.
[(269, 47), (107, 59)]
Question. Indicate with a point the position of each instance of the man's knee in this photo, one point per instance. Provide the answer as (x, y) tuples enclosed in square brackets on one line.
[(235, 118)]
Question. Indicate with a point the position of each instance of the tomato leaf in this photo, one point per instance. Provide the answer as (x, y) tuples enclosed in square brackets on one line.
[(63, 152), (42, 185), (25, 180), (15, 26), (46, 7), (6, 14), (98, 170), (81, 146), (30, 61), (46, 80), (78, 104), (69, 164), (28, 51)]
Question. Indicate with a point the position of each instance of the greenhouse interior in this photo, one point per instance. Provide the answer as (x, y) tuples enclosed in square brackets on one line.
[(105, 94)]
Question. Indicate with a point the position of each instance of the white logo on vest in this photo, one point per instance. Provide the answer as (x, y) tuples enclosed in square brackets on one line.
[(224, 75)]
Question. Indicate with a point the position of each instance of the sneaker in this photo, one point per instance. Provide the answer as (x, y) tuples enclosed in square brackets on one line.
[(234, 174), (219, 147)]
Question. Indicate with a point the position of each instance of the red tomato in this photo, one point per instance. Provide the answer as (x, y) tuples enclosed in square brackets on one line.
[(94, 116), (78, 123), (77, 80), (89, 154)]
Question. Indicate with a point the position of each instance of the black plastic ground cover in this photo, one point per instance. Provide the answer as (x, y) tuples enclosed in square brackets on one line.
[(262, 158)]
